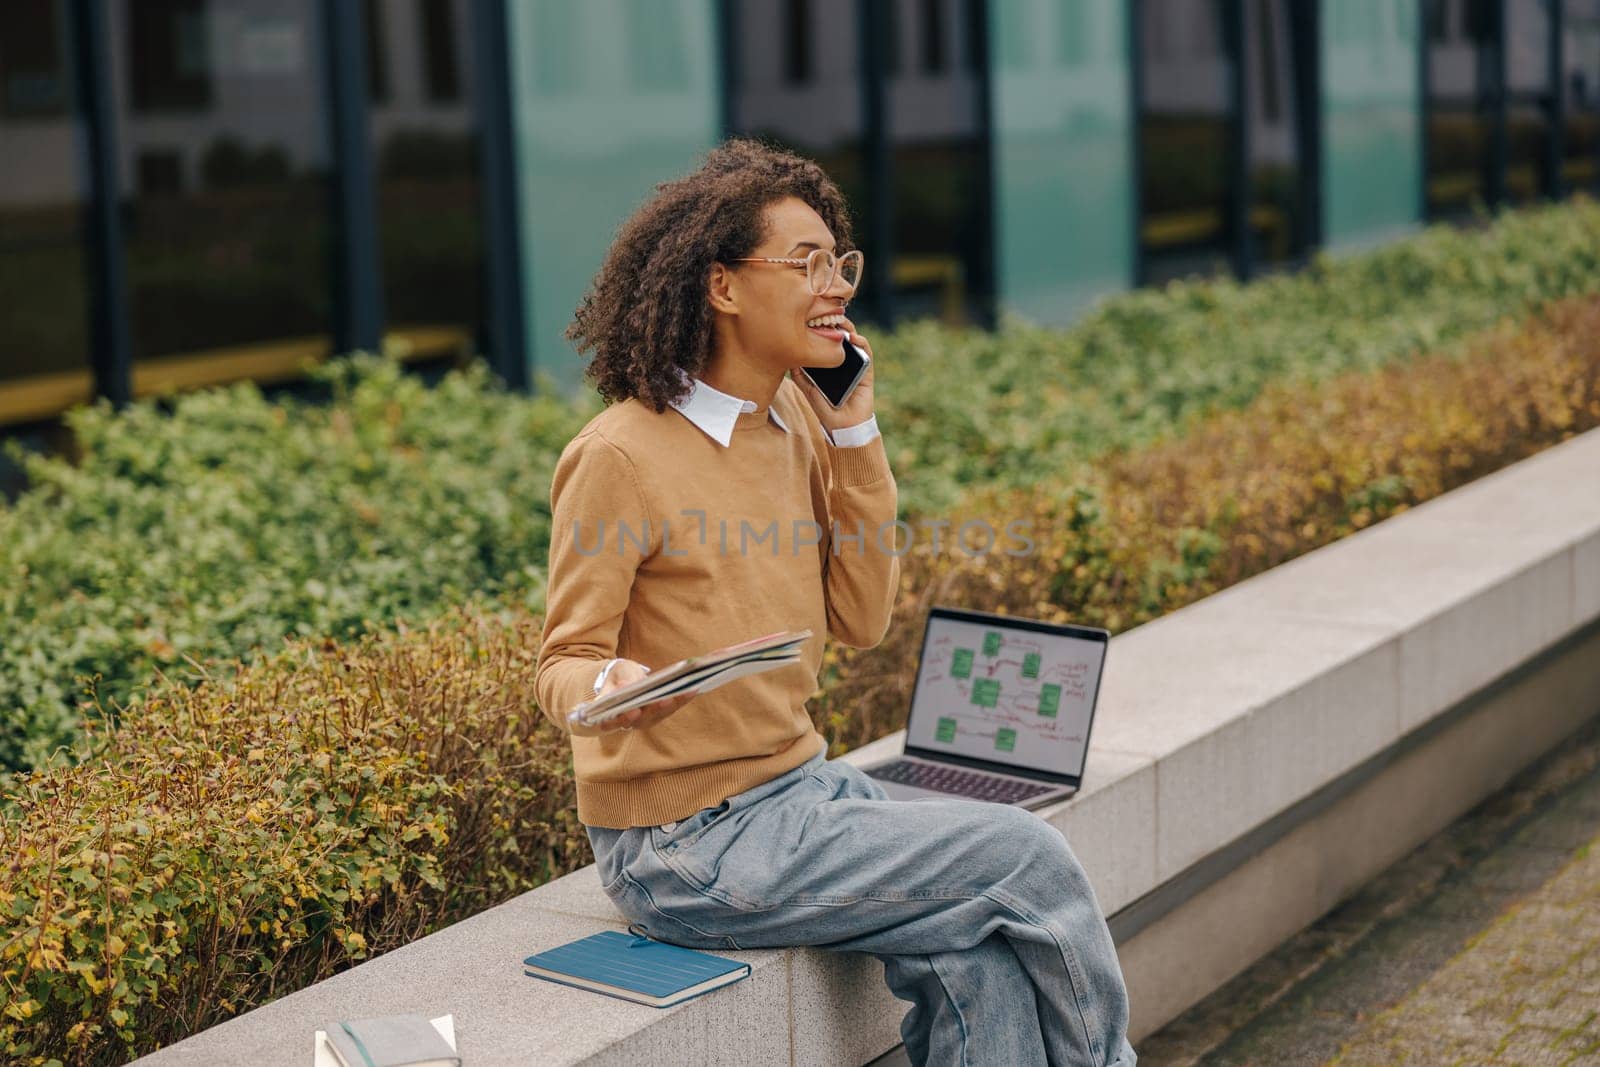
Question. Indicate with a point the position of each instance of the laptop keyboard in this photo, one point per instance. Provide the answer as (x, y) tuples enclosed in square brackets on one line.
[(959, 781)]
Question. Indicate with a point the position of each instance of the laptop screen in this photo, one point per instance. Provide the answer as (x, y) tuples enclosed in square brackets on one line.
[(1006, 691)]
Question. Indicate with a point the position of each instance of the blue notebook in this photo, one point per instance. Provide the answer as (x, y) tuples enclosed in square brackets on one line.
[(633, 967)]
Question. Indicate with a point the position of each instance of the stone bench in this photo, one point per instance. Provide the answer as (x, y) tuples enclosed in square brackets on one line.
[(1256, 756)]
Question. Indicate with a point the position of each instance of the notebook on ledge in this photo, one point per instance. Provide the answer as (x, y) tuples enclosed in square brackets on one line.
[(633, 967), (390, 1041)]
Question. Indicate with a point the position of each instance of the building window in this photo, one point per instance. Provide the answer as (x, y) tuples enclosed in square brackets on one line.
[(796, 41), (1580, 84), (33, 69), (1072, 34), (1460, 106), (377, 54), (973, 14), (229, 223), (1187, 136), (1272, 72), (820, 115), (43, 252), (441, 63), (159, 172), (890, 45), (940, 263), (168, 62), (933, 36), (1283, 99), (1224, 184), (1528, 96), (656, 48), (429, 197)]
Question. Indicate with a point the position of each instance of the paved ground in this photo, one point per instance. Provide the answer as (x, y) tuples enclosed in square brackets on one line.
[(1481, 947), (1526, 991)]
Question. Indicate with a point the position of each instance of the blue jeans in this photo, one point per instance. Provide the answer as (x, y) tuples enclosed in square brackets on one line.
[(982, 916)]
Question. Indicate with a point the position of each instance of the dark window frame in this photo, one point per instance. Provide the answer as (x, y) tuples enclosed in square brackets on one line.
[(377, 45), (798, 52), (441, 63), (934, 41)]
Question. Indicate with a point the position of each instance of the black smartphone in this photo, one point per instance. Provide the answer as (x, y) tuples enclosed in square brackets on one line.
[(837, 383)]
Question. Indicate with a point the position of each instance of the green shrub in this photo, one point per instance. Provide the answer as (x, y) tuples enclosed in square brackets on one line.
[(233, 522), (215, 531), (252, 835), (1148, 531), (969, 408)]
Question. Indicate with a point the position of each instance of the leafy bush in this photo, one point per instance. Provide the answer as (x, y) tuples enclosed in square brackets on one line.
[(1151, 530), (233, 522), (1029, 403), (213, 532), (354, 799), (257, 833)]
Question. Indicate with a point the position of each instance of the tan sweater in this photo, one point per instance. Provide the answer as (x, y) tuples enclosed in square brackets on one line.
[(665, 543)]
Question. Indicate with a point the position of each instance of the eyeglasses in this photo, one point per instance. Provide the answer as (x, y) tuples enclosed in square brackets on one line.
[(821, 267)]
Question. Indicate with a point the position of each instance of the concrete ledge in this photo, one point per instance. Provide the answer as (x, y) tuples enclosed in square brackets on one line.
[(1276, 885), (1214, 722)]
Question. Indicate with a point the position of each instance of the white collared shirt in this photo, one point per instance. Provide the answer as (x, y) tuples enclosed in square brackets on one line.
[(716, 412)]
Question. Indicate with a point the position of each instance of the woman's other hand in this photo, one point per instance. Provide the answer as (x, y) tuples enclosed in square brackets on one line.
[(624, 673)]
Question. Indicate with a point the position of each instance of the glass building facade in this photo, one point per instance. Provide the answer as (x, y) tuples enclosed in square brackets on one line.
[(198, 191), (1371, 100)]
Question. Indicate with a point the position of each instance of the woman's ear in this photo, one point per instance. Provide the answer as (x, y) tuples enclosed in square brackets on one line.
[(720, 287)]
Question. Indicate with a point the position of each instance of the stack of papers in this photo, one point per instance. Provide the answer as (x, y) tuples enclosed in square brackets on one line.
[(703, 673)]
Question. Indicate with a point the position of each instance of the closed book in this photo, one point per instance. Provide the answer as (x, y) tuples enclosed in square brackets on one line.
[(636, 968), (391, 1041)]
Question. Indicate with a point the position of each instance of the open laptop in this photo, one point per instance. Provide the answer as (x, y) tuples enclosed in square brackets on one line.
[(1000, 711)]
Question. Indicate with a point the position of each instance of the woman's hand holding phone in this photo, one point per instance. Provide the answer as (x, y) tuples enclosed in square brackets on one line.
[(625, 672), (857, 407)]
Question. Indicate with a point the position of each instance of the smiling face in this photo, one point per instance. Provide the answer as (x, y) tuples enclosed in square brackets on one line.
[(775, 302)]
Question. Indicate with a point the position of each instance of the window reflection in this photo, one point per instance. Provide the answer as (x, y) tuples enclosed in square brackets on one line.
[(1461, 42), (1370, 107), (1528, 100), (1276, 41), (937, 138), (1064, 207), (1186, 132), (224, 178), (796, 82), (425, 152), (43, 343), (1580, 85)]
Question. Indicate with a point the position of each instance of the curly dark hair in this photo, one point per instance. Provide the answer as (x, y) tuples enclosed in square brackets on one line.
[(647, 316)]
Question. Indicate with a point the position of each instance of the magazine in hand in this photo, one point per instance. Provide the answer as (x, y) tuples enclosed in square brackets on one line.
[(704, 672)]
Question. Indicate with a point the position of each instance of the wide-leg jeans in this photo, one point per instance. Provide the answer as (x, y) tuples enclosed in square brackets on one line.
[(984, 920)]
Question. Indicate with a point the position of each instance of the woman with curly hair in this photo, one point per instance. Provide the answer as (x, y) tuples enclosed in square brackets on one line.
[(718, 497)]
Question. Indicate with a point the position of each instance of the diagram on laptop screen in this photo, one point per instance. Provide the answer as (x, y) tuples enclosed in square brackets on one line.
[(1014, 696)]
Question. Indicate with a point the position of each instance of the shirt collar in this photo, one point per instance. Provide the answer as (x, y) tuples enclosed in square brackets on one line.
[(716, 412)]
